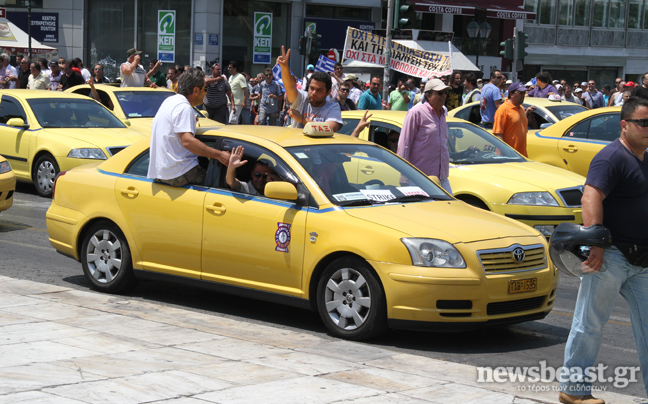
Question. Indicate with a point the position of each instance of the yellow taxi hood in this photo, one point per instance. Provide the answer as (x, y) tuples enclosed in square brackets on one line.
[(100, 137), (536, 176), (452, 221)]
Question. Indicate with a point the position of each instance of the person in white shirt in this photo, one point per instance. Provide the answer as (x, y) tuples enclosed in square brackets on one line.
[(13, 76), (37, 80), (174, 148)]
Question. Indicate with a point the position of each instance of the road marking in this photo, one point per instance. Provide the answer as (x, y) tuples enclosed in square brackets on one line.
[(27, 245), (613, 319)]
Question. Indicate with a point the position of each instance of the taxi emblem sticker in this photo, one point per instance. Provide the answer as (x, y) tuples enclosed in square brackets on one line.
[(282, 237)]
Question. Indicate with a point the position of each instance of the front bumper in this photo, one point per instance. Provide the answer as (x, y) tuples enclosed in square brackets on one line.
[(7, 188)]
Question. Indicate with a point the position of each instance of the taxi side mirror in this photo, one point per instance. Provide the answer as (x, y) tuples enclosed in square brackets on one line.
[(126, 122), (17, 122), (435, 179), (281, 190), (545, 125)]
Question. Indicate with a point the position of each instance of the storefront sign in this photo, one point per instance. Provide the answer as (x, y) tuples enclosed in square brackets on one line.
[(166, 36), (44, 26), (198, 39), (262, 51), (213, 39), (370, 48)]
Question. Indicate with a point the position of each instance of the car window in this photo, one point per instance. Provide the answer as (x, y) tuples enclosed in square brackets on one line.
[(470, 144), (141, 104), (578, 131), (384, 134), (362, 174), (10, 108), (566, 109), (72, 113), (605, 127), (471, 114), (139, 166), (349, 126)]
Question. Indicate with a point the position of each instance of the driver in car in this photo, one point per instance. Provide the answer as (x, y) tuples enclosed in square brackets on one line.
[(453, 135), (262, 173)]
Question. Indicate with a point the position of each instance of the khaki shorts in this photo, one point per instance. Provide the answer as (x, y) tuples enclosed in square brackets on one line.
[(194, 176)]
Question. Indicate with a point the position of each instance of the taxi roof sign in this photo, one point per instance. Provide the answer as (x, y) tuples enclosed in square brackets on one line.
[(318, 129)]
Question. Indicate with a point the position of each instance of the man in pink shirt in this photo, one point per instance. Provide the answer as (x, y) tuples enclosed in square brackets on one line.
[(424, 137)]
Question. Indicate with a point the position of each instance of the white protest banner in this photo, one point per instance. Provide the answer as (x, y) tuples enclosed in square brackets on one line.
[(366, 47)]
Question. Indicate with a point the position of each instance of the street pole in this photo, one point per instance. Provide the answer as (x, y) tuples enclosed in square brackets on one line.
[(390, 18), (29, 28)]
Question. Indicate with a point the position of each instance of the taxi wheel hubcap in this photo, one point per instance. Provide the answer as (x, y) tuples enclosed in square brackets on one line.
[(348, 298), (104, 256), (45, 175)]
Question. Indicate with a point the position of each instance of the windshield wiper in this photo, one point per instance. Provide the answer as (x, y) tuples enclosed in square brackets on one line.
[(360, 202), (410, 198)]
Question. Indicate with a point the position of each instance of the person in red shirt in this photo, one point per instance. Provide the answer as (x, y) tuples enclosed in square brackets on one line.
[(511, 123)]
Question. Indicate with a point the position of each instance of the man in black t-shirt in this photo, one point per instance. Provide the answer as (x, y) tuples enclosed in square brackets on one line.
[(616, 195), (70, 78), (23, 74), (642, 90), (455, 93)]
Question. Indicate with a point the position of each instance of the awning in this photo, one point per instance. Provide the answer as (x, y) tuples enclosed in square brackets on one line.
[(502, 11), (14, 40)]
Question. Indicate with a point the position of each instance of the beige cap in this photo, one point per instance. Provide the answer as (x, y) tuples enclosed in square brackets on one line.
[(435, 85)]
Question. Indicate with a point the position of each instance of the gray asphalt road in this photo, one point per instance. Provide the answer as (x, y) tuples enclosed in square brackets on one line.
[(25, 253)]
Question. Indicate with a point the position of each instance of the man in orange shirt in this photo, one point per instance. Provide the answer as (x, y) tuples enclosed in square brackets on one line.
[(510, 122)]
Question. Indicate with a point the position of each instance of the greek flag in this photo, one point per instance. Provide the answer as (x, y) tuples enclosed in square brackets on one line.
[(324, 64)]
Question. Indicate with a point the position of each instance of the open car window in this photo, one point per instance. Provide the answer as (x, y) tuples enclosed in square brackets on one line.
[(364, 175), (72, 113), (470, 144)]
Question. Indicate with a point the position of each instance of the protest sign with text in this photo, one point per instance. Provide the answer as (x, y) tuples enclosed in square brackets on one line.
[(366, 47)]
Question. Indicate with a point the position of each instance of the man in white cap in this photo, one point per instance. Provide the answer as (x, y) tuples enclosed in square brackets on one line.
[(424, 136), (511, 123)]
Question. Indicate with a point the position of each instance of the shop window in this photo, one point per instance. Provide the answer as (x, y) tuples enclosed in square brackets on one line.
[(22, 3), (582, 13), (544, 9), (636, 13)]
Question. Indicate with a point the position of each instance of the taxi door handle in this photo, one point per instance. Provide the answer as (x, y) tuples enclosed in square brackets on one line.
[(368, 170), (570, 148), (130, 191), (217, 207)]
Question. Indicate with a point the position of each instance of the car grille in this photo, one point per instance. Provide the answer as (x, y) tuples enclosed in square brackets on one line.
[(115, 150), (515, 258), (571, 197), (515, 305)]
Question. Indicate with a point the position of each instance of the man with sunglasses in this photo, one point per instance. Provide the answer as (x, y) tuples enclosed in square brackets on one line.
[(346, 104), (615, 195), (510, 122), (424, 136), (491, 99), (262, 173), (271, 99)]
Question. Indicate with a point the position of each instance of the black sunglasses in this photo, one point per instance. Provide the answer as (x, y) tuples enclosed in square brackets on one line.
[(443, 92), (259, 175), (640, 122)]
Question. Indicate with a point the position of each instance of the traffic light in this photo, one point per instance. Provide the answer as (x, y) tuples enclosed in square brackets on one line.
[(316, 41), (400, 8), (507, 53), (521, 45), (303, 45)]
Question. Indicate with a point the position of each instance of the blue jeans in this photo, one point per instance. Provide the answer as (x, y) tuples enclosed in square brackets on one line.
[(246, 117), (445, 184), (596, 297)]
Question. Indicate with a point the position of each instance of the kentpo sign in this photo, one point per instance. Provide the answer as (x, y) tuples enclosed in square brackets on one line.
[(262, 52), (166, 36)]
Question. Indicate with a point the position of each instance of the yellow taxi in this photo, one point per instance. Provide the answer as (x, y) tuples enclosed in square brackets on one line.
[(45, 132), (487, 173), (7, 184), (338, 225), (573, 142), (135, 105), (547, 112)]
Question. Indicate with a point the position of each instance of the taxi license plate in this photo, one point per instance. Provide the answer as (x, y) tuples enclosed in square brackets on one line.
[(523, 285)]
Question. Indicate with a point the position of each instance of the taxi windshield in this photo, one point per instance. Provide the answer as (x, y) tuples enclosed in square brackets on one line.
[(355, 175), (73, 113), (470, 144), (141, 104), (565, 110)]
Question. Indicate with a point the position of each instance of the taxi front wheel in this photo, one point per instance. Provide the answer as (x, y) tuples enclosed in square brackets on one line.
[(45, 172), (106, 258), (351, 301)]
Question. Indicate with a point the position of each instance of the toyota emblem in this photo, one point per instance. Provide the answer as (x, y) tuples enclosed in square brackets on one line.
[(518, 255)]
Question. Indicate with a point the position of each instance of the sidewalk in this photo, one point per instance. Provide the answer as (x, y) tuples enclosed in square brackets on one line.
[(60, 345)]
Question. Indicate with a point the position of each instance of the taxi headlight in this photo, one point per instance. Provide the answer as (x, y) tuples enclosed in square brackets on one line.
[(533, 199), (87, 153), (4, 167), (427, 252)]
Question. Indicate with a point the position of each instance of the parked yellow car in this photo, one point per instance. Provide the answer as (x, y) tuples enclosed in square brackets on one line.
[(7, 184), (573, 142), (45, 132), (487, 173), (546, 112), (327, 233), (136, 105)]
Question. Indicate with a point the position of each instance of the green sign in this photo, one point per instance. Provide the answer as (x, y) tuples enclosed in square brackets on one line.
[(262, 51), (166, 35)]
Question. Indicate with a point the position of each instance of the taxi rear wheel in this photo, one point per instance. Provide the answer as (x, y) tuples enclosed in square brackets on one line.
[(351, 301), (45, 171), (106, 258)]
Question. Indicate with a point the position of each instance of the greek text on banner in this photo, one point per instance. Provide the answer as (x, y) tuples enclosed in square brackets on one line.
[(370, 48)]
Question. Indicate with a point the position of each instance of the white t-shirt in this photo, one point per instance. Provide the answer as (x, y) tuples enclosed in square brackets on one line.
[(169, 159), (12, 84), (134, 79), (330, 111), (86, 74)]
